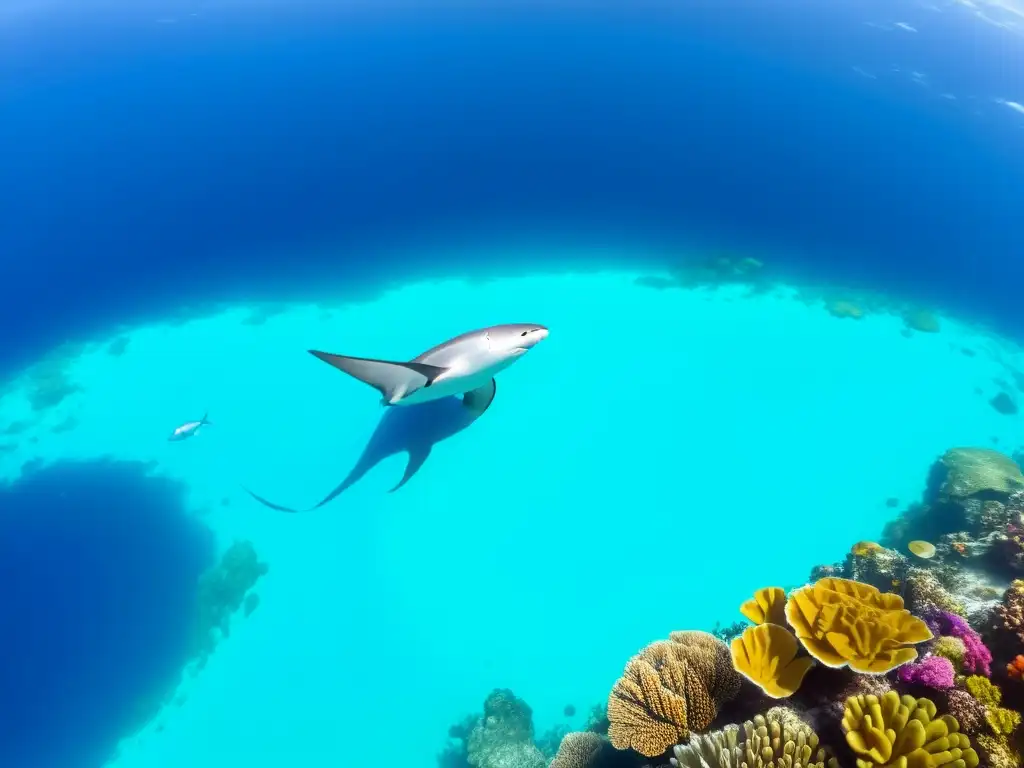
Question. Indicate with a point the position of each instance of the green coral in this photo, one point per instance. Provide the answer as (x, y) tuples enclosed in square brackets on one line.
[(951, 648), (982, 689), (973, 471), (997, 753), (1002, 721)]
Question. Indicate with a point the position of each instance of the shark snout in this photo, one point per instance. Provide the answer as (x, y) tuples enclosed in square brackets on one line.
[(532, 337)]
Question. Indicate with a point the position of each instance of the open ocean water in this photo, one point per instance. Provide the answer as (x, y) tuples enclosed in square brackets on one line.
[(778, 254)]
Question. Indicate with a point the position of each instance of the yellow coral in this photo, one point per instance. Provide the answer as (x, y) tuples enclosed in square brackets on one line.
[(998, 753), (842, 622), (982, 689), (896, 732), (768, 606), (1002, 721), (766, 655), (668, 689)]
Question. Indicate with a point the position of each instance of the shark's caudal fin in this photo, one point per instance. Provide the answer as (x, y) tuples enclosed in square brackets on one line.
[(479, 400), (206, 418), (392, 380)]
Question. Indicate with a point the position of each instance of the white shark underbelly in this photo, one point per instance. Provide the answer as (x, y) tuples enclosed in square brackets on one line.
[(446, 387)]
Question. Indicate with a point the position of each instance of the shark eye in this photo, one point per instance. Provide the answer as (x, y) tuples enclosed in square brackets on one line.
[(524, 333)]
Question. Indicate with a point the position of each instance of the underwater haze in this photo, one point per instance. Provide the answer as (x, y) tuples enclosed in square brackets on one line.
[(731, 445)]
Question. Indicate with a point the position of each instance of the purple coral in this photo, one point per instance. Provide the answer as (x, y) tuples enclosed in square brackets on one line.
[(933, 671), (978, 658)]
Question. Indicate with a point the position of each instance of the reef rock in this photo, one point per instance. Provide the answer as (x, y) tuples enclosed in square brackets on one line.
[(503, 738)]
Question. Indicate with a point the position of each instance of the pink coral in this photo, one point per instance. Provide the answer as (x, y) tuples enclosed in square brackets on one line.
[(977, 658), (932, 671)]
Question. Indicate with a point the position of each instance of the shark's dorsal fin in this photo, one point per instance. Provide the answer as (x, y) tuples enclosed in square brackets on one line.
[(479, 400), (393, 380)]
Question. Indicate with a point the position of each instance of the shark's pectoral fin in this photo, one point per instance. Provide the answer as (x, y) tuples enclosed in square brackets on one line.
[(417, 458), (479, 400), (270, 504), (393, 380)]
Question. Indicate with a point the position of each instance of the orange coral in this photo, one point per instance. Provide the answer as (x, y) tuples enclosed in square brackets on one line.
[(668, 689), (1015, 669), (848, 623)]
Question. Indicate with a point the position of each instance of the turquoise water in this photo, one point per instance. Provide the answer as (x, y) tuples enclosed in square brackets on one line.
[(642, 470)]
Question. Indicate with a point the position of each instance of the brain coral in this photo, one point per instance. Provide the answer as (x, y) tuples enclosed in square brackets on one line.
[(766, 655), (970, 471), (904, 732), (847, 623), (578, 750), (777, 738), (668, 689)]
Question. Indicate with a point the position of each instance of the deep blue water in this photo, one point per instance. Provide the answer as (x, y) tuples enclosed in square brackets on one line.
[(146, 165), (99, 564)]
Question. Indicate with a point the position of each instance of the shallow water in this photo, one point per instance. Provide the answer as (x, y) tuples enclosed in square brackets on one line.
[(638, 472), (775, 249)]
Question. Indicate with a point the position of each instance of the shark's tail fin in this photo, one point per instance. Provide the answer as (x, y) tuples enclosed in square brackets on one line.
[(206, 419)]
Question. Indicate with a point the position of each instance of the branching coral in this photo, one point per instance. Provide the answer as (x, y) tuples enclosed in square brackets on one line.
[(982, 689), (904, 733), (668, 689), (767, 656), (768, 606), (966, 710), (998, 753), (977, 658), (776, 739), (847, 623), (933, 672)]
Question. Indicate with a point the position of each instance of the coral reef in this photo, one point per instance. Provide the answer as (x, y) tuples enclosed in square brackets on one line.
[(669, 689), (842, 622), (904, 731), (223, 591), (503, 737), (977, 658), (977, 472), (907, 655), (777, 738)]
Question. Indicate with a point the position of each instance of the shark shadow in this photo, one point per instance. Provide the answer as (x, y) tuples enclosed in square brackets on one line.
[(413, 430)]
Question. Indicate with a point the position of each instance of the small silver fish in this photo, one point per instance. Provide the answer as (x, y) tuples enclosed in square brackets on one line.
[(188, 429)]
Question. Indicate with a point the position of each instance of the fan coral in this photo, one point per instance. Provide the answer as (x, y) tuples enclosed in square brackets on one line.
[(951, 648), (977, 658), (578, 750), (904, 732), (842, 622), (766, 655), (668, 689), (934, 672), (777, 738), (767, 606)]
